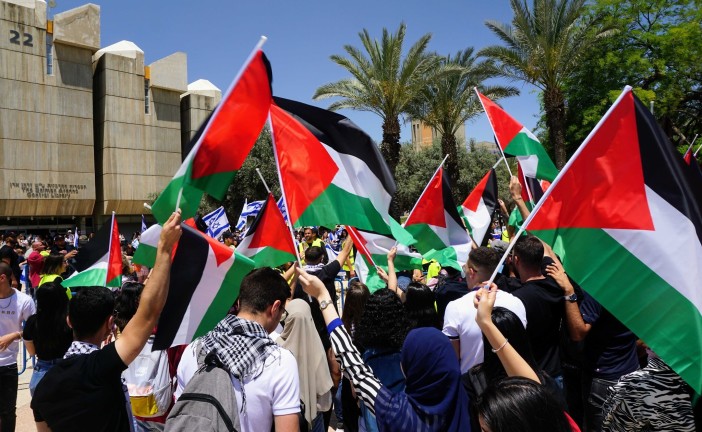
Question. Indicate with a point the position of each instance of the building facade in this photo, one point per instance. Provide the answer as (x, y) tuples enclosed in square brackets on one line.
[(424, 136), (85, 130)]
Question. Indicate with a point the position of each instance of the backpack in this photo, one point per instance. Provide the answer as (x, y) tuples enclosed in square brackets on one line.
[(207, 401), (149, 382)]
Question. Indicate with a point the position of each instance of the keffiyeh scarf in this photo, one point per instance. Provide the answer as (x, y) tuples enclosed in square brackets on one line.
[(80, 348)]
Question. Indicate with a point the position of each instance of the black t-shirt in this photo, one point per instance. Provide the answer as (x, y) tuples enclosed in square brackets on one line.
[(447, 291), (84, 392), (50, 344), (326, 274), (7, 252), (610, 347), (543, 302)]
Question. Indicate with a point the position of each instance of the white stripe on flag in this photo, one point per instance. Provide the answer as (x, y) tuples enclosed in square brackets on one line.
[(217, 222)]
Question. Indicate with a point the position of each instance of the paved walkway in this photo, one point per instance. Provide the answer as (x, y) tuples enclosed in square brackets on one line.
[(25, 418)]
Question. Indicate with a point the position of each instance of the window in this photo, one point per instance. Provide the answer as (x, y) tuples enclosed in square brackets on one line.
[(147, 99), (49, 54)]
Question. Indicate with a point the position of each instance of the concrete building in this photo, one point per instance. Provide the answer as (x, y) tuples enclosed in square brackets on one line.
[(86, 131), (424, 135)]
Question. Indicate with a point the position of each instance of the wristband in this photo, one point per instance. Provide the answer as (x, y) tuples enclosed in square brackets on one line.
[(495, 350)]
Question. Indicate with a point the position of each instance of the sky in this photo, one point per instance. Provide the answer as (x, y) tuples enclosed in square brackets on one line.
[(217, 37)]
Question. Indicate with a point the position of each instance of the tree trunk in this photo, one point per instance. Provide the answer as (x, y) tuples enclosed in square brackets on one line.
[(554, 104), (390, 147), (448, 147)]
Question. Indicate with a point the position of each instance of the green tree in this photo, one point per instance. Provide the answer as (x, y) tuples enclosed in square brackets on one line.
[(656, 49), (544, 46), (383, 82), (448, 100)]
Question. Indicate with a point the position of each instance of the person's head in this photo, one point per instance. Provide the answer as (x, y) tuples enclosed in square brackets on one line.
[(314, 255), (126, 303), (52, 306), (54, 264), (60, 241), (481, 263), (520, 404), (38, 246), (384, 323), (10, 240), (513, 330), (228, 238), (528, 254), (262, 295), (311, 234), (419, 305), (5, 277), (354, 304), (90, 313)]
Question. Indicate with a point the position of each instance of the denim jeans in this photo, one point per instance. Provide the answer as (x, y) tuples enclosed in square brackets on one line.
[(40, 369), (8, 397), (337, 405), (596, 393)]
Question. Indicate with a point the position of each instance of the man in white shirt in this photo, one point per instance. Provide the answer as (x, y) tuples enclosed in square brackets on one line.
[(15, 307), (264, 375), (459, 320)]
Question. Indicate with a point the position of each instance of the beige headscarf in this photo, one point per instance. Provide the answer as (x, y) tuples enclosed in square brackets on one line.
[(300, 337)]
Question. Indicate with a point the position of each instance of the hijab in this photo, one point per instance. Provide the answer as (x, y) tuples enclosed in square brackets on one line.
[(434, 398), (300, 337)]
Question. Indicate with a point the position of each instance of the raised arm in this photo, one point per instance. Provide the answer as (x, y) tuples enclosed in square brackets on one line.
[(515, 189), (391, 276), (361, 376), (345, 251), (513, 363), (153, 298)]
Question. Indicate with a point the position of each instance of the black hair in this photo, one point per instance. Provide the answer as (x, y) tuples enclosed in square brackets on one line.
[(530, 251), (513, 330), (313, 254), (89, 309), (520, 404), (5, 270), (384, 323), (485, 259), (354, 304), (53, 264), (52, 308), (419, 306), (126, 303), (261, 288)]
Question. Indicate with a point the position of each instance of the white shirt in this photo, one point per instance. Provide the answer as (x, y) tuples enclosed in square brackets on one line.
[(275, 392), (459, 323), (13, 310)]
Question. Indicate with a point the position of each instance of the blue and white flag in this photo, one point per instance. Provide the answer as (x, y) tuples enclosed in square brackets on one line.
[(283, 209), (217, 222), (250, 209), (75, 239), (143, 224)]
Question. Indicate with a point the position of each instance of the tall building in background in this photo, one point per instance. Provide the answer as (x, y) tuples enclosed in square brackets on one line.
[(85, 131), (424, 135)]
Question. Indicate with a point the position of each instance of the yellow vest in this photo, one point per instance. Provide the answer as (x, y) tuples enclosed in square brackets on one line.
[(50, 278)]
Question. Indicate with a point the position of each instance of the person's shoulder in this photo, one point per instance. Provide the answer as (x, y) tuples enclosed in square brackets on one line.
[(23, 298), (461, 305)]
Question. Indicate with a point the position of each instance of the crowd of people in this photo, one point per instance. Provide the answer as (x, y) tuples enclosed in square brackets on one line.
[(436, 350)]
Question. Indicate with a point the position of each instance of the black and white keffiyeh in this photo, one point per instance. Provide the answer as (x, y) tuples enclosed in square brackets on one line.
[(80, 348), (242, 346)]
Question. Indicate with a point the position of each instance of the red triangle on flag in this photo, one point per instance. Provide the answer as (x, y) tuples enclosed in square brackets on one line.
[(473, 200), (221, 251), (236, 123), (606, 179), (306, 168), (430, 206), (269, 229), (360, 242), (504, 125), (114, 260)]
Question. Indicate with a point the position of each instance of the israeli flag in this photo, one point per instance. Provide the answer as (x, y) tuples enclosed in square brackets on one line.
[(253, 208), (143, 224), (217, 222), (75, 238), (283, 209), (241, 223)]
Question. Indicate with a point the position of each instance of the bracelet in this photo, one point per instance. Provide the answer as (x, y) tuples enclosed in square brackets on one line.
[(501, 346)]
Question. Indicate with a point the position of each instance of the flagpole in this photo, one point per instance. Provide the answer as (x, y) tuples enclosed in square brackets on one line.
[(499, 145), (690, 146), (180, 196), (425, 187), (282, 192), (526, 185), (109, 250), (550, 189), (258, 171)]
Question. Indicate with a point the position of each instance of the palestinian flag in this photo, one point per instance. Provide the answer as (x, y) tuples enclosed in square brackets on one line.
[(205, 278), (532, 188), (268, 241), (99, 262), (436, 225), (372, 251), (222, 143), (692, 165), (480, 205), (626, 218), (331, 172), (516, 140)]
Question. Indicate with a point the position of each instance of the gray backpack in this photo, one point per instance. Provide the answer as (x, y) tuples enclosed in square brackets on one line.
[(208, 402)]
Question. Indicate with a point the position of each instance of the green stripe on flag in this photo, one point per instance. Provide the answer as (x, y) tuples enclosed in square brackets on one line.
[(165, 204), (94, 276), (653, 309), (372, 280), (427, 239), (145, 255), (271, 257), (227, 294), (523, 145)]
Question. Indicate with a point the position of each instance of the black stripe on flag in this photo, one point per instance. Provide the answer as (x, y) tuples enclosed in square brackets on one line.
[(490, 192), (95, 249), (186, 272), (341, 134), (449, 206), (665, 172)]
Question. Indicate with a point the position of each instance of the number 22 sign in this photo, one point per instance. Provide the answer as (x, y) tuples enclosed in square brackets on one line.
[(15, 38)]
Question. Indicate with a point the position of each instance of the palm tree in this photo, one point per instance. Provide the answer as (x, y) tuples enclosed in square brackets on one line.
[(382, 82), (544, 46), (448, 100)]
